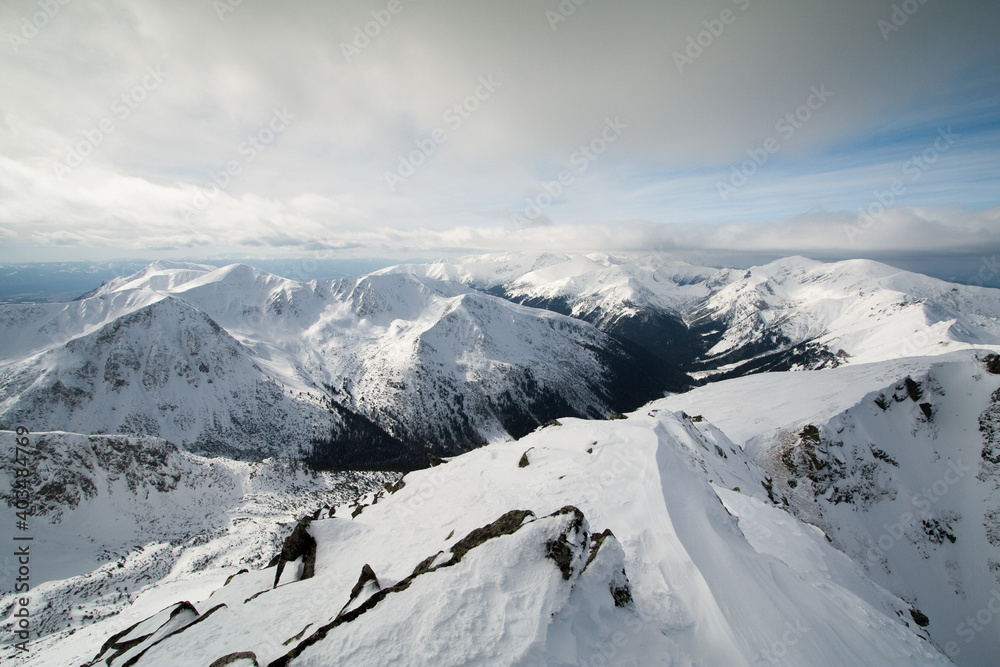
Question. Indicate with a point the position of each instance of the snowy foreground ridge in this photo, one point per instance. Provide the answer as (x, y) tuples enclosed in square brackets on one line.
[(645, 540)]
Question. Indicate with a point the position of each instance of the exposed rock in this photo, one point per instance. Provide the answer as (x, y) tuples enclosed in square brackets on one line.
[(233, 576), (621, 591), (937, 531), (882, 456), (233, 657), (992, 363), (367, 575), (523, 463), (919, 617), (256, 595), (505, 525), (989, 426), (810, 433), (299, 544), (426, 565), (562, 549), (118, 647), (621, 594), (595, 545), (298, 636), (832, 474)]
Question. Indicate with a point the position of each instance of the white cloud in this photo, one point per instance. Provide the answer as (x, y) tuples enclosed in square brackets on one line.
[(322, 180)]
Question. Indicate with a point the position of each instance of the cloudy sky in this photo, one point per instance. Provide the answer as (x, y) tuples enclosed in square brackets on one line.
[(182, 128)]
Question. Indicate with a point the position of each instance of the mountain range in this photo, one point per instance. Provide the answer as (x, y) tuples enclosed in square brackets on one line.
[(445, 357), (635, 461), (237, 362)]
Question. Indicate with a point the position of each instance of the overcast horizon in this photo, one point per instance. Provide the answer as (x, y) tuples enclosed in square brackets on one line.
[(409, 129)]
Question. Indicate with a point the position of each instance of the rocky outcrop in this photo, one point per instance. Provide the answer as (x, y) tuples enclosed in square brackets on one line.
[(563, 536), (300, 544), (566, 550)]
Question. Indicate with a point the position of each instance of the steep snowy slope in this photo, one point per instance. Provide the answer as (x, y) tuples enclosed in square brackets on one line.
[(585, 543), (361, 372), (897, 462), (32, 328), (113, 515)]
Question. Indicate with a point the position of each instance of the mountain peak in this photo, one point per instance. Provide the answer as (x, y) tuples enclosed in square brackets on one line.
[(160, 276)]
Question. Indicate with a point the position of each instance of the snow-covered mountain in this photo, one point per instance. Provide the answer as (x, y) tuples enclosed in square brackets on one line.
[(164, 369), (791, 313), (361, 372), (798, 312), (641, 541), (641, 298), (595, 287), (240, 362)]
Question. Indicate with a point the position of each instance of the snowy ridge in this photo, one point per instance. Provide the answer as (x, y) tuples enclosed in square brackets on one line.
[(897, 463), (160, 276), (641, 298), (594, 282), (583, 543)]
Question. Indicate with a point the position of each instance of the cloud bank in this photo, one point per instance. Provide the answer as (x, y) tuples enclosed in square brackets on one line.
[(296, 127)]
